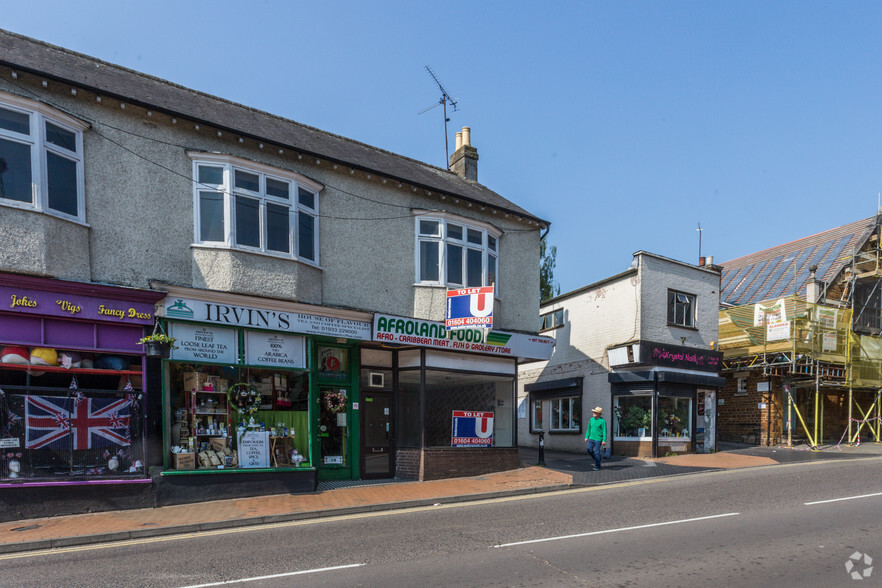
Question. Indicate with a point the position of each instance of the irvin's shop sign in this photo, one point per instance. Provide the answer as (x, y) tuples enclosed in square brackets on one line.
[(472, 429), (409, 331), (470, 308)]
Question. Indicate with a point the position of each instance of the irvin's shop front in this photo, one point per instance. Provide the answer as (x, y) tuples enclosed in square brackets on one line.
[(449, 396), (260, 396)]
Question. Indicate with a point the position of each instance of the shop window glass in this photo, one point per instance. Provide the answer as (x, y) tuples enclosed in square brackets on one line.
[(480, 392), (53, 432), (566, 414), (536, 422), (674, 417), (217, 408), (632, 417), (409, 409)]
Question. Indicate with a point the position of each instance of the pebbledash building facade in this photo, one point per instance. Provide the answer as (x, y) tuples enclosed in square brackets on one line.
[(301, 275)]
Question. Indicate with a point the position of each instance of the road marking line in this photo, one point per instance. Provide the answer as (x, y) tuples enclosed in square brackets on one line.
[(728, 514), (285, 575), (841, 499)]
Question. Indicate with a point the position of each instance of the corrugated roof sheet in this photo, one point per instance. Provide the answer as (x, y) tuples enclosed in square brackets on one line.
[(30, 55), (784, 269)]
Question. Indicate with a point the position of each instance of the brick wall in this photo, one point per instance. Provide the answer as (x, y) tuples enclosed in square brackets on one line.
[(407, 463), (454, 462), (740, 419)]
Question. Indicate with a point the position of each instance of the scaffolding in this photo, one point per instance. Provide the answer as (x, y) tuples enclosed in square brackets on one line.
[(816, 353)]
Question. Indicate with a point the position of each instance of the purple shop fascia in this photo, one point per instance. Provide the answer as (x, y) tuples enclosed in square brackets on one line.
[(72, 372)]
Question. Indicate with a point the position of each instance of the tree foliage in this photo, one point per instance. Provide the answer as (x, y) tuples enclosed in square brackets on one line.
[(548, 288)]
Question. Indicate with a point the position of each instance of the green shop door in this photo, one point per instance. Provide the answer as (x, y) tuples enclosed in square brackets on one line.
[(376, 450), (334, 433)]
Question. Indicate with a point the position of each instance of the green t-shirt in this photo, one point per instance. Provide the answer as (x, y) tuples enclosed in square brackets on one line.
[(596, 430)]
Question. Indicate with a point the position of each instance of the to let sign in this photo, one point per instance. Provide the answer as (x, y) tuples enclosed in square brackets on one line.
[(469, 308), (472, 429)]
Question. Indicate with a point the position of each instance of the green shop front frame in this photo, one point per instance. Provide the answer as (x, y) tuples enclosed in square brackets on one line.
[(335, 399)]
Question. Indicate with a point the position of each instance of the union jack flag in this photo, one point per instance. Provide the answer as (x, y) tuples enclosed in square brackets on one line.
[(93, 422)]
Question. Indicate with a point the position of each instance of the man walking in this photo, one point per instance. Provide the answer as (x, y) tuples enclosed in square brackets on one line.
[(595, 436)]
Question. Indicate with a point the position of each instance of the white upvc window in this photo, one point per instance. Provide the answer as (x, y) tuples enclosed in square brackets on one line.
[(566, 413), (245, 205), (455, 252), (41, 158)]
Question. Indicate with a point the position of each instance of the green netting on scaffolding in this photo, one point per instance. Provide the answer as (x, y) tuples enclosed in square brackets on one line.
[(810, 332)]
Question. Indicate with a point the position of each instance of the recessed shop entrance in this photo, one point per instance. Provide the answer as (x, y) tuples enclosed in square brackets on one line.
[(376, 448)]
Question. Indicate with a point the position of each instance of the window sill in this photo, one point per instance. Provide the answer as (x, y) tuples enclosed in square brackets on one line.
[(444, 287), (30, 208), (565, 431), (632, 438), (688, 328)]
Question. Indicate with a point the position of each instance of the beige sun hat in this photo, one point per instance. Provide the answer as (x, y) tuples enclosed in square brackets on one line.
[(597, 410)]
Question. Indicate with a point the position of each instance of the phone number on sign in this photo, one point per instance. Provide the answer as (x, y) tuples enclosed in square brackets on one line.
[(471, 441)]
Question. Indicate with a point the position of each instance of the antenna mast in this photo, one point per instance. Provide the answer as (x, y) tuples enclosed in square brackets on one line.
[(443, 101), (699, 229)]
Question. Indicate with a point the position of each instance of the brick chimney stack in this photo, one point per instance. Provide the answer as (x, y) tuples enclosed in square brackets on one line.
[(464, 161)]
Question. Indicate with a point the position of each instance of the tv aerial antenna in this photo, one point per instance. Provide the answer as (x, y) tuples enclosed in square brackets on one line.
[(443, 101)]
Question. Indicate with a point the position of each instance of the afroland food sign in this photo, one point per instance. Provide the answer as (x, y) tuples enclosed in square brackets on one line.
[(411, 331)]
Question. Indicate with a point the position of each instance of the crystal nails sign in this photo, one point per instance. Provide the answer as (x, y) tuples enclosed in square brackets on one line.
[(410, 331)]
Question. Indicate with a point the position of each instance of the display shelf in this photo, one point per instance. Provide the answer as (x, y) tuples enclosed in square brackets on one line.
[(207, 424)]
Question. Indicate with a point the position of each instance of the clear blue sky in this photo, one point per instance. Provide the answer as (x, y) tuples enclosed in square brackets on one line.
[(625, 124)]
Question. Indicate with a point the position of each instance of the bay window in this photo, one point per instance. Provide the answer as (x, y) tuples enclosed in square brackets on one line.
[(41, 158), (252, 207), (455, 253)]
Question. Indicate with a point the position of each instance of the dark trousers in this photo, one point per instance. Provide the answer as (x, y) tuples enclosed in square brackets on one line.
[(595, 450)]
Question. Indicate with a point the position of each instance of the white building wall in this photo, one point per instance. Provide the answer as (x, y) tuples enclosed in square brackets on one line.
[(626, 308), (660, 275)]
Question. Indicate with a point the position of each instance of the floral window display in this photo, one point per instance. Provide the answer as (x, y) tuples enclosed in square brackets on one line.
[(674, 413), (632, 417)]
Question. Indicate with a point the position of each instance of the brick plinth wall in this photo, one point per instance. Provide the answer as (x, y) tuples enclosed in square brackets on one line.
[(455, 462), (438, 463), (408, 464)]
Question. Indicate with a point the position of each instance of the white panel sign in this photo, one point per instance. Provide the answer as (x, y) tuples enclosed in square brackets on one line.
[(200, 344), (275, 350), (258, 318), (254, 449)]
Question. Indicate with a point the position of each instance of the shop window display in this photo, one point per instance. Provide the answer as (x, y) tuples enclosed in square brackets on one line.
[(220, 409), (633, 417), (673, 413), (69, 414)]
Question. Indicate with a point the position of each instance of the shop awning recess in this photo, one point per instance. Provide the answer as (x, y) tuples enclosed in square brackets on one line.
[(706, 381)]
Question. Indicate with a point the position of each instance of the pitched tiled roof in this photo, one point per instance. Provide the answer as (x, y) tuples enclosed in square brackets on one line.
[(30, 55), (784, 269)]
